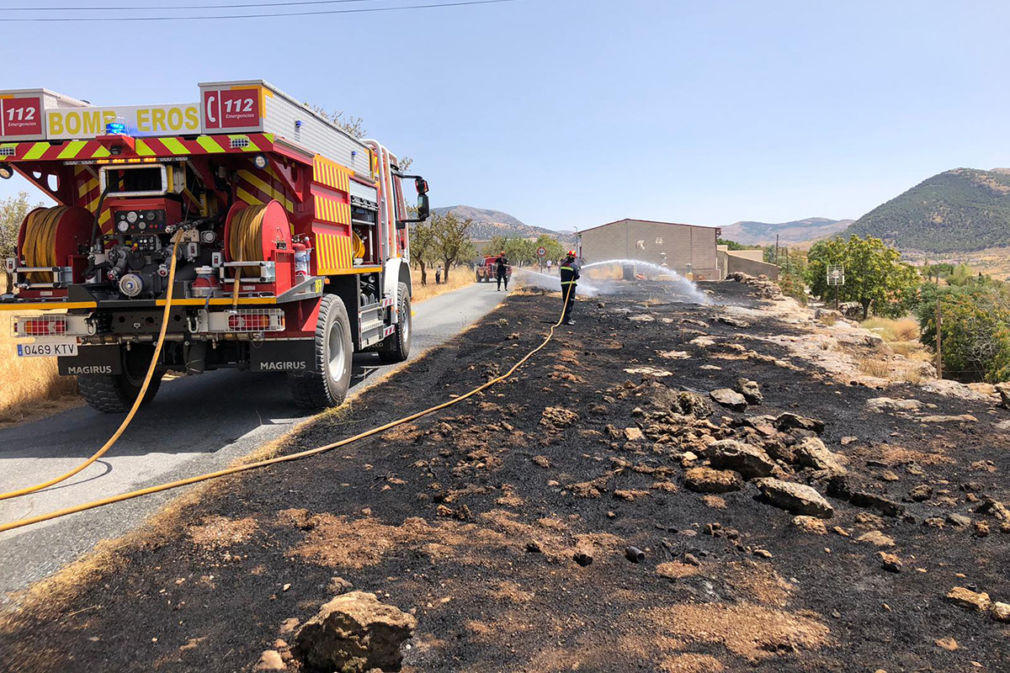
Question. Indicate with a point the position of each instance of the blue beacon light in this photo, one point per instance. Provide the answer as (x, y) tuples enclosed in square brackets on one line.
[(115, 128)]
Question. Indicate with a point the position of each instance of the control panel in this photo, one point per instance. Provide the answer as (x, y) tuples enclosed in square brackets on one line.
[(139, 221)]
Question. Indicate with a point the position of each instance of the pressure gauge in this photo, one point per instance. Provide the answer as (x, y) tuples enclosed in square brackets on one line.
[(131, 216), (142, 225), (122, 226)]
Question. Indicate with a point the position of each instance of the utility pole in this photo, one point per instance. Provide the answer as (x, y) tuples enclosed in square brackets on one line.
[(939, 329), (776, 248)]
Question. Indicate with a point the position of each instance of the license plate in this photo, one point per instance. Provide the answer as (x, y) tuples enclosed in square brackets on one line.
[(49, 349)]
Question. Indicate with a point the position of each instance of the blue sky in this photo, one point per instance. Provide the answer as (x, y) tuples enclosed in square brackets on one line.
[(571, 113)]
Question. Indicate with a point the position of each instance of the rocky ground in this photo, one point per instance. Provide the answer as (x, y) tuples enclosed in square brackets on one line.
[(664, 487)]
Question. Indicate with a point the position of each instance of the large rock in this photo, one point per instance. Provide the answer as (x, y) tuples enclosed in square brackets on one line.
[(355, 633), (750, 390), (681, 402), (968, 599), (750, 461), (811, 452), (859, 493), (885, 404), (789, 421), (707, 480), (796, 498), (729, 399)]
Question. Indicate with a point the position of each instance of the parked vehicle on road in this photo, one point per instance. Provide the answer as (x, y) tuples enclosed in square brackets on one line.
[(486, 269), (290, 237)]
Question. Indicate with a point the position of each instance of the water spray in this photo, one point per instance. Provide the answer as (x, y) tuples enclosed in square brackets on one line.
[(678, 284)]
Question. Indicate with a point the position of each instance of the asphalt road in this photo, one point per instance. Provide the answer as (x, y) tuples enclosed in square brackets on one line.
[(196, 424)]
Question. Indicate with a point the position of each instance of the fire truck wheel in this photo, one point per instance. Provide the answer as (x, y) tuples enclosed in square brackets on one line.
[(396, 347), (326, 384), (115, 393)]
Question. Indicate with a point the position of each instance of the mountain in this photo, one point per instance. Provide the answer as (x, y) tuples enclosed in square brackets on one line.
[(955, 211), (490, 223), (797, 231)]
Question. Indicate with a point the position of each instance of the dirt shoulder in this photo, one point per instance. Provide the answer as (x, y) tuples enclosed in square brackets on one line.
[(472, 520)]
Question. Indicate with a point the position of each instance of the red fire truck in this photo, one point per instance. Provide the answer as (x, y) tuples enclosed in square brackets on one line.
[(487, 271), (291, 240)]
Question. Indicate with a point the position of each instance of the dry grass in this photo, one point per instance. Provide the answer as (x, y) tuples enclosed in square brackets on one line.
[(30, 388), (903, 329), (458, 277)]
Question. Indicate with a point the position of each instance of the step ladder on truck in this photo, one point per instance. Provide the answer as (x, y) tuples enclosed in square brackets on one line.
[(291, 241)]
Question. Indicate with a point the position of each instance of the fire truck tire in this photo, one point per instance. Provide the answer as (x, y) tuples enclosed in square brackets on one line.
[(115, 393), (396, 347), (327, 383)]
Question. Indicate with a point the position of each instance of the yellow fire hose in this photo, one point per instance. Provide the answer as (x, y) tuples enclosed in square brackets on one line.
[(283, 459), (140, 396), (40, 240)]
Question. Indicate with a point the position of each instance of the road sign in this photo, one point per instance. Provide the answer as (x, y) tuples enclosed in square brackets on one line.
[(542, 251), (836, 275)]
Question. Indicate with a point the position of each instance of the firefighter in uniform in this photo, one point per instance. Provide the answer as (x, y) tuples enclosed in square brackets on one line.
[(569, 277), (501, 270)]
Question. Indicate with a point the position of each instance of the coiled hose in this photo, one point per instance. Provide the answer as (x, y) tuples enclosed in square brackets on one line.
[(245, 239), (39, 245)]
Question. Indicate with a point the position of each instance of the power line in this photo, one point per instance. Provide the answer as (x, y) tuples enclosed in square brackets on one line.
[(154, 7), (363, 10)]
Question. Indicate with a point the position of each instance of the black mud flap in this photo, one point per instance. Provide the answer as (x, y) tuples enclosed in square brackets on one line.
[(92, 360), (289, 355)]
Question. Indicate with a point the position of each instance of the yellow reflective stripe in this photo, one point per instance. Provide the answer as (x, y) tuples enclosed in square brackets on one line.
[(209, 144), (104, 217), (37, 150), (247, 197), (266, 188), (143, 149), (174, 146), (72, 149), (220, 301), (101, 153), (49, 304)]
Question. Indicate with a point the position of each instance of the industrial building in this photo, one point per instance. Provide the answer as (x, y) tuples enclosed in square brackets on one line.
[(685, 248)]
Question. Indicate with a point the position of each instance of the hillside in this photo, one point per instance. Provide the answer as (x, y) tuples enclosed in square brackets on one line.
[(491, 223), (797, 231), (959, 210)]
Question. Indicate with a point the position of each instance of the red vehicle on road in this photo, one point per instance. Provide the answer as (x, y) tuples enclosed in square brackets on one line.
[(486, 270)]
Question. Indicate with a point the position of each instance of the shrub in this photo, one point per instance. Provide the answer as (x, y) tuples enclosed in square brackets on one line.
[(975, 332), (792, 285)]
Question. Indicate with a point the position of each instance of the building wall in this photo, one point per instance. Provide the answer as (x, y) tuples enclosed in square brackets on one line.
[(681, 247), (731, 261)]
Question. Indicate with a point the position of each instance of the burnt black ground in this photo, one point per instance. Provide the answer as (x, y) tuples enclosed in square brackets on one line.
[(176, 604)]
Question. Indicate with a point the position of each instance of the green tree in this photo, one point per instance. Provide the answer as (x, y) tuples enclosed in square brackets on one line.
[(451, 239), (12, 212), (422, 248), (975, 329), (552, 245), (874, 275)]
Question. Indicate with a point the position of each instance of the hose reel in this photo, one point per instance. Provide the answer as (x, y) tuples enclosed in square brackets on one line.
[(49, 237), (254, 233)]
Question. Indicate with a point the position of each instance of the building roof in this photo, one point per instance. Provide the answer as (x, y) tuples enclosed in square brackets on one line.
[(632, 219)]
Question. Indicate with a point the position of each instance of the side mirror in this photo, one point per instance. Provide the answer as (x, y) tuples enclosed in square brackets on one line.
[(423, 209), (421, 185)]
